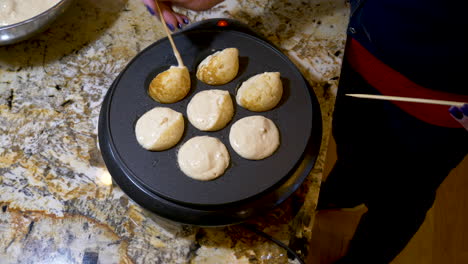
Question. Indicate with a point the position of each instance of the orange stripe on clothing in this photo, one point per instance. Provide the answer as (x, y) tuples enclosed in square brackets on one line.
[(390, 82)]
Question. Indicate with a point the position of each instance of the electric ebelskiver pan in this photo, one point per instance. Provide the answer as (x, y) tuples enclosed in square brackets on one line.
[(154, 180)]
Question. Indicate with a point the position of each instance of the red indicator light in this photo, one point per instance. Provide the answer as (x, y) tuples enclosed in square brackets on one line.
[(222, 23)]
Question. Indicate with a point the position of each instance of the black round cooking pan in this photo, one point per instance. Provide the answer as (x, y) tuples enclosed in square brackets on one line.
[(154, 180)]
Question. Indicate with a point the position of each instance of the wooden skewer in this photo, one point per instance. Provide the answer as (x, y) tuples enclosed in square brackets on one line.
[(407, 99), (174, 48)]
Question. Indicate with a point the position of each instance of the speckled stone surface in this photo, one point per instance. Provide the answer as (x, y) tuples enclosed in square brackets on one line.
[(57, 201)]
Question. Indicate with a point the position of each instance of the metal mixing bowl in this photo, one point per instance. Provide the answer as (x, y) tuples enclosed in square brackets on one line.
[(14, 33)]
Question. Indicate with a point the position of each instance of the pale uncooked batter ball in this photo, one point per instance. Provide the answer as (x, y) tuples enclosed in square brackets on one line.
[(159, 129), (261, 92), (171, 85), (254, 137), (210, 110), (203, 158), (219, 68)]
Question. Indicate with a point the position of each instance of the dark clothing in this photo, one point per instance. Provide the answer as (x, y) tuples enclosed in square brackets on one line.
[(392, 162), (426, 40), (388, 159), (388, 81)]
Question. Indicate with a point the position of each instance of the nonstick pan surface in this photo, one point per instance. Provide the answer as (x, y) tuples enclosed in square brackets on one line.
[(158, 172)]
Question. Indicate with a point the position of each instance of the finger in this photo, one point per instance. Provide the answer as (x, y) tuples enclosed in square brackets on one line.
[(199, 5), (169, 15), (166, 10), (460, 114), (181, 19), (464, 109), (185, 19), (167, 6), (456, 112), (151, 7)]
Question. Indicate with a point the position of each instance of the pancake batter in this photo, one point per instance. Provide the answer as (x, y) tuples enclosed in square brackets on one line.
[(254, 137), (159, 129), (14, 11), (203, 158), (210, 110)]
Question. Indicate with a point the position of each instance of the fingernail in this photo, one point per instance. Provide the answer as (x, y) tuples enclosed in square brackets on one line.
[(456, 112), (464, 109), (186, 21), (179, 25), (170, 26), (150, 10)]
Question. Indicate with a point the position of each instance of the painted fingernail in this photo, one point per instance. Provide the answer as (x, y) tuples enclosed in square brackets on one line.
[(179, 25), (186, 21), (150, 10), (464, 109), (170, 26), (456, 112)]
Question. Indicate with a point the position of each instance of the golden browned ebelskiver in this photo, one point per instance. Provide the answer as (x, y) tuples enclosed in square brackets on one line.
[(170, 86), (219, 68), (261, 92)]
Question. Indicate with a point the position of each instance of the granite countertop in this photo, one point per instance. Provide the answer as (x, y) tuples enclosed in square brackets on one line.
[(58, 203)]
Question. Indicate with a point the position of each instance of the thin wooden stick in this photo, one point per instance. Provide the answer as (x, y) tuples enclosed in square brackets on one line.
[(174, 48), (407, 99)]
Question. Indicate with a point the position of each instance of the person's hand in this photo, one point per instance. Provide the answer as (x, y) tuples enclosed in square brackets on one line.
[(174, 19), (460, 114), (195, 5)]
